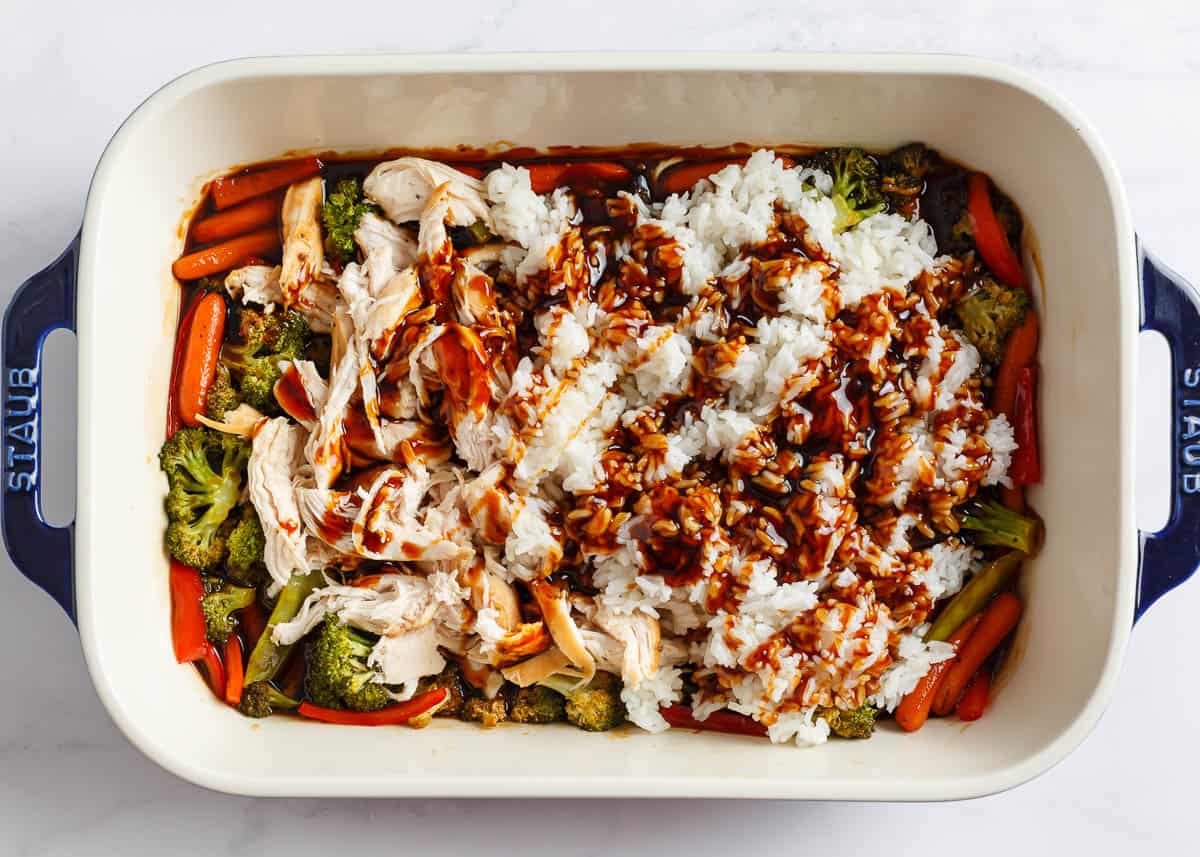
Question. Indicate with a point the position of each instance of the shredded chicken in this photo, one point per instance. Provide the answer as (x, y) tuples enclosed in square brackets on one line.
[(387, 248), (556, 611), (258, 284), (303, 281), (403, 188), (275, 456)]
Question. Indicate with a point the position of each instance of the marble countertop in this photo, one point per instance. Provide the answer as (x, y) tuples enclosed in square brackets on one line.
[(70, 784)]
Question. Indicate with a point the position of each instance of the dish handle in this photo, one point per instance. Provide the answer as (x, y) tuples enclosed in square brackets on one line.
[(1167, 558), (42, 552)]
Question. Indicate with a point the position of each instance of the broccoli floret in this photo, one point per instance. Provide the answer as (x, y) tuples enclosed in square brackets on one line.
[(850, 723), (222, 396), (990, 523), (988, 312), (903, 173), (537, 704), (219, 603), (340, 215), (944, 206), (338, 676), (266, 340), (451, 679), (489, 712), (261, 699), (596, 707), (246, 546), (856, 193), (204, 475)]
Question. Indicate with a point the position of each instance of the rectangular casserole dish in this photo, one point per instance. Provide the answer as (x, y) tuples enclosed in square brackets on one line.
[(115, 289)]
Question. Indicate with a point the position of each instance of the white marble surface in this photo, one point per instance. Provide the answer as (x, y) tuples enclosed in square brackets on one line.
[(71, 785)]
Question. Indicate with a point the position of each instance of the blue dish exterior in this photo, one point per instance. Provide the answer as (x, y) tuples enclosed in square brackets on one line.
[(1167, 558), (46, 302), (43, 553)]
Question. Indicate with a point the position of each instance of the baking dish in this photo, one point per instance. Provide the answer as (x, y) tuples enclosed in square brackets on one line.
[(113, 287)]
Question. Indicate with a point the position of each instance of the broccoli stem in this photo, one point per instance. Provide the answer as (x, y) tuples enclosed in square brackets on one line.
[(268, 656), (975, 595), (995, 524)]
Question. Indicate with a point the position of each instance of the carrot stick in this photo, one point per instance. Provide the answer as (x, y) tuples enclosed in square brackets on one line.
[(393, 715), (234, 670), (238, 220), (229, 254), (998, 620), (913, 710), (684, 177), (176, 366), (1019, 352), (975, 697), (228, 191), (201, 353)]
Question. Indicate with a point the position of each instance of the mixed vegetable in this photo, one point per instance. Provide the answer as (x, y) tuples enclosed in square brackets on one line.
[(230, 372)]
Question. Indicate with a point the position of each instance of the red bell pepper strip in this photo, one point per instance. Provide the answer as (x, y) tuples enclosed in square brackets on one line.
[(975, 697), (187, 617), (393, 715), (230, 190), (681, 717), (214, 670), (546, 177), (234, 670), (1026, 468), (990, 239), (253, 624)]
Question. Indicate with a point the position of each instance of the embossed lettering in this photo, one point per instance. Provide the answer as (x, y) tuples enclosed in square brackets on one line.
[(20, 406), (22, 377), (25, 432), (22, 481), (1191, 454), (1191, 483)]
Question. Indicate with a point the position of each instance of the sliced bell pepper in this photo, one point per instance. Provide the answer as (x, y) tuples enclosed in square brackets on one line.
[(393, 715), (214, 670), (546, 177), (681, 717), (234, 670), (990, 239), (1026, 468), (187, 617)]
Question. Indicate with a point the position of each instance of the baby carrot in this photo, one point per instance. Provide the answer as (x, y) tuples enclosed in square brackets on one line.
[(201, 352), (233, 670), (237, 221), (684, 177), (227, 255), (998, 620), (228, 191), (913, 710), (975, 697)]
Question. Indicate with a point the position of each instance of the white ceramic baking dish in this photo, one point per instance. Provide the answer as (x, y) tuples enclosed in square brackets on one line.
[(115, 288)]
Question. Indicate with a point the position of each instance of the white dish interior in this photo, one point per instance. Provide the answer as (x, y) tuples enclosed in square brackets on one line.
[(1080, 590)]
